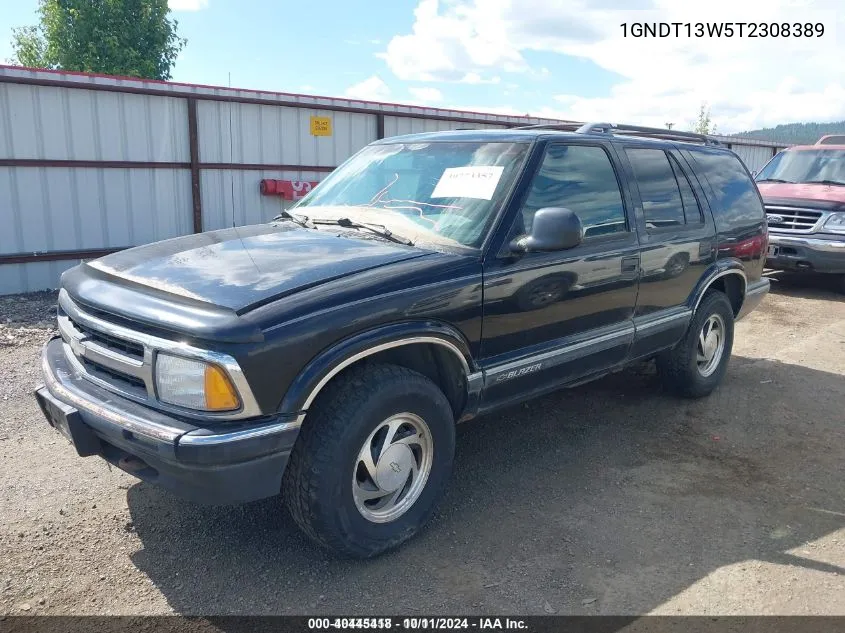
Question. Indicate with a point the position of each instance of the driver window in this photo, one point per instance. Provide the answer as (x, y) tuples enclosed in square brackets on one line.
[(581, 178)]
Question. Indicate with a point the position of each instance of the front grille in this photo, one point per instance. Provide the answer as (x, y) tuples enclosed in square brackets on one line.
[(111, 360), (129, 348), (123, 381), (792, 219), (119, 357)]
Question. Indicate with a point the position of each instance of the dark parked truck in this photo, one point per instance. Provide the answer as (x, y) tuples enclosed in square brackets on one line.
[(328, 355), (803, 188)]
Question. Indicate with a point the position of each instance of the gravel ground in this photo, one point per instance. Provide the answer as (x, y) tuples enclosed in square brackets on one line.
[(612, 498)]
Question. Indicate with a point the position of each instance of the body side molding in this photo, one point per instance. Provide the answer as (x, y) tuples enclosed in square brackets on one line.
[(572, 350)]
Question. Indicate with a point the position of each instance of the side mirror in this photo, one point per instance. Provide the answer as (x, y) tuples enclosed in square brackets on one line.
[(553, 229)]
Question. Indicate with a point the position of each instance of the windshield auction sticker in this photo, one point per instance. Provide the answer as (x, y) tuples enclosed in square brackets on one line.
[(468, 182)]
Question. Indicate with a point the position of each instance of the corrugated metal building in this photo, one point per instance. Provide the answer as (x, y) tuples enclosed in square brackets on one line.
[(92, 164)]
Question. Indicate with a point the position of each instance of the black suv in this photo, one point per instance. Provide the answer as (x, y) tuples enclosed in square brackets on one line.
[(430, 279)]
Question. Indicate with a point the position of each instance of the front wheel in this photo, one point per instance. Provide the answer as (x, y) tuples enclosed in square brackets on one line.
[(696, 365), (372, 460)]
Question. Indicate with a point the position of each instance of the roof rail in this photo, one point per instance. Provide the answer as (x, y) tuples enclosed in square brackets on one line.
[(831, 139), (564, 127), (651, 132), (629, 130)]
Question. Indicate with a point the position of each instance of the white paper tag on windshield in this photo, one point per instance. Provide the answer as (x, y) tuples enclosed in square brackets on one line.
[(468, 182)]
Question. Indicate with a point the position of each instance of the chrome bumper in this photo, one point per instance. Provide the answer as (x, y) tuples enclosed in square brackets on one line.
[(814, 254), (223, 463), (825, 246)]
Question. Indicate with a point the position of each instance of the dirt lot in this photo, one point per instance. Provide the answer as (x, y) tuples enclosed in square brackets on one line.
[(609, 498)]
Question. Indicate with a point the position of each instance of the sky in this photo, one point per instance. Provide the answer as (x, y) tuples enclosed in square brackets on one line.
[(565, 59)]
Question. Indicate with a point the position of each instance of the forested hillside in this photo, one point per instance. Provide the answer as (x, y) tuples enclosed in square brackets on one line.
[(796, 133)]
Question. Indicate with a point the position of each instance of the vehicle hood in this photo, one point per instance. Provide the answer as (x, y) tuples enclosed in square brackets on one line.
[(242, 268), (803, 191)]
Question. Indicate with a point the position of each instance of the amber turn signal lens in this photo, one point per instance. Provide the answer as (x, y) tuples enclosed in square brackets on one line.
[(220, 395)]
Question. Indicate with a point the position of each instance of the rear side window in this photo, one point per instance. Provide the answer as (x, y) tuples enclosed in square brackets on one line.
[(737, 202), (581, 178), (666, 194), (692, 210)]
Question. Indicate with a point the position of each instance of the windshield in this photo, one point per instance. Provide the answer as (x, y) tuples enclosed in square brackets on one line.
[(447, 192), (806, 165)]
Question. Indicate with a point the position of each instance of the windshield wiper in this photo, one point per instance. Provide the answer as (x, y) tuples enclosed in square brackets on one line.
[(826, 182), (773, 180), (300, 220), (378, 229)]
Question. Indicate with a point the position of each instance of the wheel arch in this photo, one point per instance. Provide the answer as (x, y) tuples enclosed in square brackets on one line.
[(727, 276), (436, 350)]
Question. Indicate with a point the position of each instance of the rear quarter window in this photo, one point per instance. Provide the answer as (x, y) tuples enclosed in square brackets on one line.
[(735, 201)]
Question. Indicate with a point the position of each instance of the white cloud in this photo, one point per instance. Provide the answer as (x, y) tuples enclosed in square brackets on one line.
[(371, 89), (474, 78), (187, 5), (426, 94), (446, 46), (748, 82)]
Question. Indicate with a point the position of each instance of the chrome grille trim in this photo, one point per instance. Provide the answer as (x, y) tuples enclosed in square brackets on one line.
[(795, 219), (79, 345), (82, 345)]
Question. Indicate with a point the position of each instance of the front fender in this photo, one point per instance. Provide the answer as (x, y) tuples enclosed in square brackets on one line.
[(328, 363)]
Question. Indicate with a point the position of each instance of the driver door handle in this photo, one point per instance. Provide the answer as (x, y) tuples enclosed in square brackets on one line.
[(630, 264)]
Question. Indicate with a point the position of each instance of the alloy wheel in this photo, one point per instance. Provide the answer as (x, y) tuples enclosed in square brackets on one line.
[(392, 467), (711, 345)]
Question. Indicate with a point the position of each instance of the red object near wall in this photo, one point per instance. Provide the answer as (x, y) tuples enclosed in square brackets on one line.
[(287, 189)]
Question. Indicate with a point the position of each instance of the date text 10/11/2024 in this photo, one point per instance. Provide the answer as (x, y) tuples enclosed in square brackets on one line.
[(418, 623)]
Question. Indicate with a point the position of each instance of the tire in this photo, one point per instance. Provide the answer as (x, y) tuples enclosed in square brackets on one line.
[(681, 368), (325, 479), (841, 284)]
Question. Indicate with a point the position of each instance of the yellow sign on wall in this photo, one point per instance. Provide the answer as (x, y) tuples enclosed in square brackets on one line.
[(321, 126)]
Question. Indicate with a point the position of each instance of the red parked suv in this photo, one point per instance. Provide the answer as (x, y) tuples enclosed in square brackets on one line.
[(803, 189)]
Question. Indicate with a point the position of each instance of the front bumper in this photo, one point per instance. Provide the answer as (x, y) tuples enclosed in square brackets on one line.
[(219, 464), (823, 254)]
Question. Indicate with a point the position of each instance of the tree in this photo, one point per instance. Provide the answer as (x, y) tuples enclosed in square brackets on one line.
[(29, 47), (132, 38), (704, 124)]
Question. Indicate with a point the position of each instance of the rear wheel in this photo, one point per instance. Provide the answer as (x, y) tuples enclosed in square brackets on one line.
[(372, 460), (696, 365)]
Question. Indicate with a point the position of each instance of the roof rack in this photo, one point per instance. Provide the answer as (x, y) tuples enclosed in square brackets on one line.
[(572, 126), (831, 139), (628, 130)]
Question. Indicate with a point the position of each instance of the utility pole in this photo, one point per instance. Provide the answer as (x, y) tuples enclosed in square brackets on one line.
[(669, 126)]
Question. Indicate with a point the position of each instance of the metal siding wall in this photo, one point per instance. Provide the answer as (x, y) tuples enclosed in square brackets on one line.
[(73, 208), (278, 135), (232, 198), (754, 156), (15, 278), (44, 122), (396, 126), (61, 208)]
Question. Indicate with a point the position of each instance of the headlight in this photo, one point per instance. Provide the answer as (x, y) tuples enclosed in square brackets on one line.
[(194, 384), (835, 223)]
